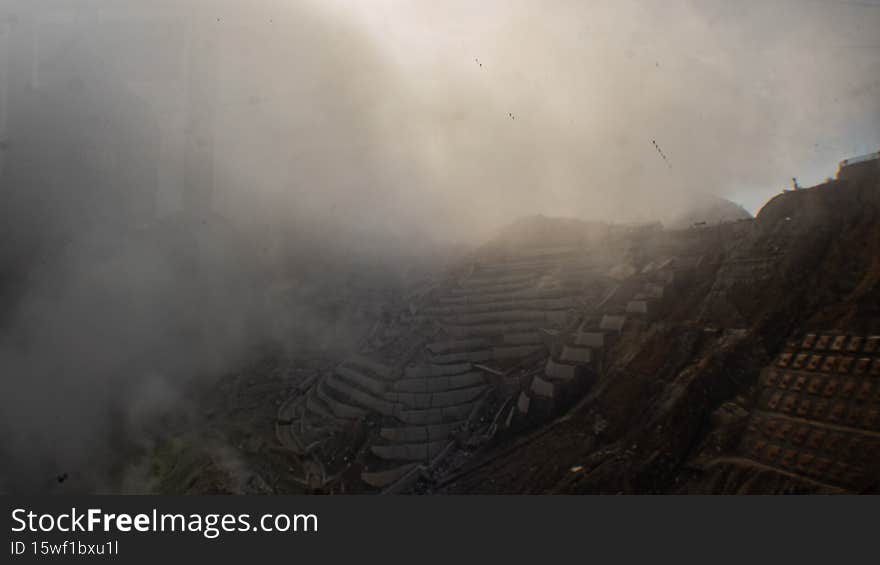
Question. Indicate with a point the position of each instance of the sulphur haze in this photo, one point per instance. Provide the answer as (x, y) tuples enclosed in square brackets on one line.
[(169, 168)]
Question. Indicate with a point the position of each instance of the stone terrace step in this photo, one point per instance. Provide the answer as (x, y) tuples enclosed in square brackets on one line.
[(500, 316), (488, 290), (456, 345), (515, 351), (456, 397), (550, 251), (380, 370), (595, 340), (524, 265), (557, 371), (524, 304), (530, 294), (637, 307), (422, 401), (409, 451), (442, 383), (425, 400), (493, 330), (359, 397), (339, 409), (576, 355), (478, 356), (415, 434), (435, 371), (542, 388), (477, 281), (522, 338), (362, 380), (612, 323), (436, 415)]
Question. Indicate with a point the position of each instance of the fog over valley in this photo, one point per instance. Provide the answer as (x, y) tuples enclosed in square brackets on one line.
[(191, 186)]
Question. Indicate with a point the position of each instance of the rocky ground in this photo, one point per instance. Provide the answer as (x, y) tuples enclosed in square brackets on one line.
[(675, 401), (671, 416)]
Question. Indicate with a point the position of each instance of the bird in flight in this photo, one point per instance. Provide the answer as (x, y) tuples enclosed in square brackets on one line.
[(660, 151)]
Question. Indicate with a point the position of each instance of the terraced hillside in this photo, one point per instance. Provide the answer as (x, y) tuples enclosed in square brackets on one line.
[(569, 357), (757, 375), (573, 357), (515, 334)]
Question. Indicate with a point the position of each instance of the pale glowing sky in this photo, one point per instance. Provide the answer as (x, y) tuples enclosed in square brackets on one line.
[(375, 114), (378, 109), (758, 91)]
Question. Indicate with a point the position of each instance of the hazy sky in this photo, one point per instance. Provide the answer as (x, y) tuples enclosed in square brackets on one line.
[(740, 97), (454, 117)]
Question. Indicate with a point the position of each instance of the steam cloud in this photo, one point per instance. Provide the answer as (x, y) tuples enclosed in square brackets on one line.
[(170, 167)]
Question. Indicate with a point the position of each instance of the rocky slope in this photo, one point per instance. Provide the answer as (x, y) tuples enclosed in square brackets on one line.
[(570, 357), (763, 376)]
